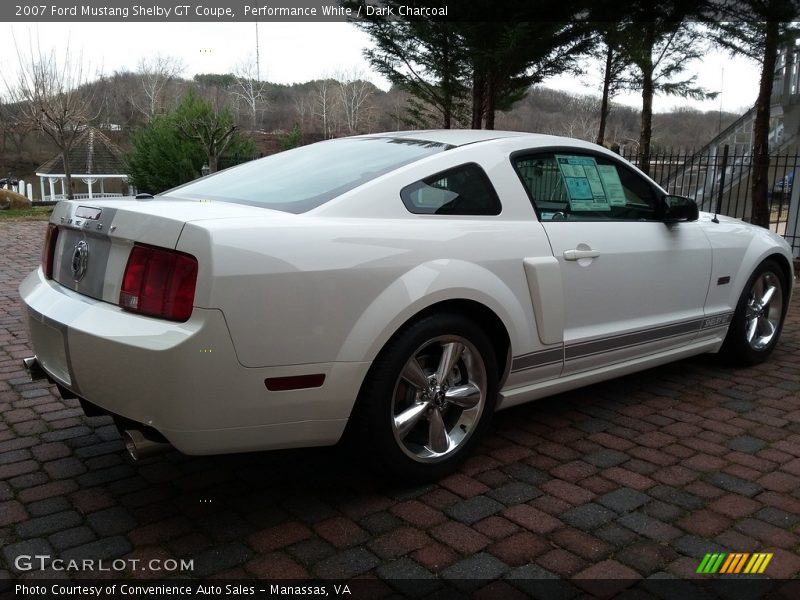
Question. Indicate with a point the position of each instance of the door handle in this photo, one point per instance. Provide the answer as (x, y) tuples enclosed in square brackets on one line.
[(579, 254)]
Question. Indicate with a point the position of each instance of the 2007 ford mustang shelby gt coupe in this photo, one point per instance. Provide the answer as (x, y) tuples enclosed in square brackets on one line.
[(403, 285)]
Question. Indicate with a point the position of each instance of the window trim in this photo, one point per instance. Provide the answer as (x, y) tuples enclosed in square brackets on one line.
[(616, 160), (410, 207)]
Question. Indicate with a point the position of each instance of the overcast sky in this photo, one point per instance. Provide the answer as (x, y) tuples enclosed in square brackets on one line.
[(298, 52)]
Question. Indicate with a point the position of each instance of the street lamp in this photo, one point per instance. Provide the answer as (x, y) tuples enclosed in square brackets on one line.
[(205, 170)]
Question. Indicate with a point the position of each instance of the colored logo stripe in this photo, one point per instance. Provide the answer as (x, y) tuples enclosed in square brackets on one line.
[(758, 563), (736, 562), (711, 563), (727, 564)]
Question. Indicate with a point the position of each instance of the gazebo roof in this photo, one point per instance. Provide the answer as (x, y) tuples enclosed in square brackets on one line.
[(92, 155)]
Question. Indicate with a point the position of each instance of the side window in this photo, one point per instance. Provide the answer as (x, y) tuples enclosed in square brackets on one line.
[(584, 187), (463, 190)]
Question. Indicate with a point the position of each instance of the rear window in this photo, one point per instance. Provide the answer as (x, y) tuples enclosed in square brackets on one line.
[(301, 179)]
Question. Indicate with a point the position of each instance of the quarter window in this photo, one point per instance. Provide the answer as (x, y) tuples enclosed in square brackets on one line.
[(583, 187), (463, 190)]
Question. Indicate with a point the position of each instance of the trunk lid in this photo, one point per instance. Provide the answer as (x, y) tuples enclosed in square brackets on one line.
[(95, 237)]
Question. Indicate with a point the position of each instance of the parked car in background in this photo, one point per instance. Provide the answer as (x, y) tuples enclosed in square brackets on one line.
[(396, 287)]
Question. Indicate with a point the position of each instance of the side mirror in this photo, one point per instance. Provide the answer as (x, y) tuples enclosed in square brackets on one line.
[(679, 208)]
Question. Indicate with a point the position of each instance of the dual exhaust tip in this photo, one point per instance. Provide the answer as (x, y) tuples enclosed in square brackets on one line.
[(138, 443)]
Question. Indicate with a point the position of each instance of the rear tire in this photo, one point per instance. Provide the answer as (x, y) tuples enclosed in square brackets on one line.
[(758, 320), (428, 398)]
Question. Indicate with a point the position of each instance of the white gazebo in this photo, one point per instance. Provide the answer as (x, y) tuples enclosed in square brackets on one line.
[(93, 159)]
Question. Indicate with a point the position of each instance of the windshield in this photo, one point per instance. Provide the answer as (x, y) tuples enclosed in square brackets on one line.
[(301, 179)]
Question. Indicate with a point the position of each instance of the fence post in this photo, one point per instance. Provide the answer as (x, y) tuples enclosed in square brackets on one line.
[(722, 178)]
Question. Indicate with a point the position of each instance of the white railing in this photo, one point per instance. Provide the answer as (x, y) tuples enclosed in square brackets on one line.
[(57, 197)]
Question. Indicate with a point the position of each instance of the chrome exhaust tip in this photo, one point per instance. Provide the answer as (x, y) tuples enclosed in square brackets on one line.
[(33, 368), (139, 445)]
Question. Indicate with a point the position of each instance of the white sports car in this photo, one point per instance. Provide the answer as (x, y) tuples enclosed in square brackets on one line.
[(402, 286)]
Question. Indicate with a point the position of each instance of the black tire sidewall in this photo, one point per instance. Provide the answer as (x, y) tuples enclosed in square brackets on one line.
[(736, 348), (376, 398)]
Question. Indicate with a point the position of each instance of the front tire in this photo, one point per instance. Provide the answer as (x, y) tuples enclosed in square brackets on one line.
[(428, 398), (758, 320)]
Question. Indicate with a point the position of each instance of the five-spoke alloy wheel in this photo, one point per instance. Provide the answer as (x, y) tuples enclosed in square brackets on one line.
[(439, 398), (764, 310), (759, 315), (429, 396)]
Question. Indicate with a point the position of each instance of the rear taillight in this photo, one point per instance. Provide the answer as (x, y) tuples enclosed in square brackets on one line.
[(159, 283), (49, 250)]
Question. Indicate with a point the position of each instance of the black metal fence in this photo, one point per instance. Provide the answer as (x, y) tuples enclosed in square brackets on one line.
[(722, 181)]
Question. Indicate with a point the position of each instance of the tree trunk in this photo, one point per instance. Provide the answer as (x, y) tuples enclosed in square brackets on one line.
[(67, 173), (491, 100), (601, 130), (646, 66), (760, 186), (447, 81), (478, 98), (646, 132)]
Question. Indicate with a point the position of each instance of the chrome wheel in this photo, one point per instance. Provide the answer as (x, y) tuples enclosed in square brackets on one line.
[(764, 310), (438, 398)]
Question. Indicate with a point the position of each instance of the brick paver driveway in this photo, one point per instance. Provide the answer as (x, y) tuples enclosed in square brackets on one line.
[(638, 476)]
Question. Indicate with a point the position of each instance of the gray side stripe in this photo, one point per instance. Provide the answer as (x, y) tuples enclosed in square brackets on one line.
[(538, 359), (631, 339), (550, 356)]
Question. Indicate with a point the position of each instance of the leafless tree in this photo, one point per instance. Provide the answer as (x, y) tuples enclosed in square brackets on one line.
[(116, 96), (324, 106), (155, 74), (582, 120), (397, 104), (13, 127), (55, 96), (211, 125), (303, 107), (249, 89), (354, 92)]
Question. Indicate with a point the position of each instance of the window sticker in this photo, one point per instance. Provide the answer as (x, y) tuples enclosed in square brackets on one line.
[(579, 189), (585, 184), (612, 185)]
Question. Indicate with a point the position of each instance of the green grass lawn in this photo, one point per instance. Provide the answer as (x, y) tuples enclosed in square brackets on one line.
[(36, 213)]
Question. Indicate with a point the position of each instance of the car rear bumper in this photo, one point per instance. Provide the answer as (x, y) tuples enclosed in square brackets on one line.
[(182, 379)]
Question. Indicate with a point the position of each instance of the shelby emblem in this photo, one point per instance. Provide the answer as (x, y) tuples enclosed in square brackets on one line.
[(80, 260)]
